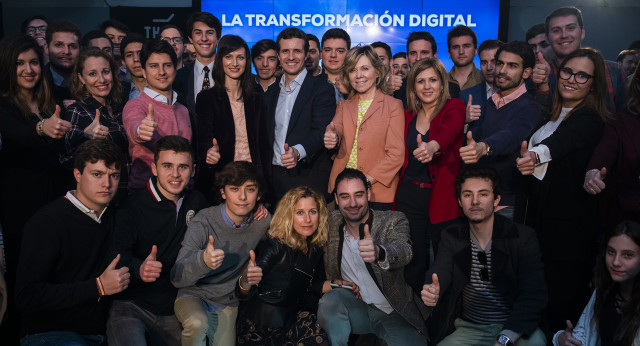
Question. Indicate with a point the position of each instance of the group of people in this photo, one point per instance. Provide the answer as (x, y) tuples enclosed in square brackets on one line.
[(150, 196)]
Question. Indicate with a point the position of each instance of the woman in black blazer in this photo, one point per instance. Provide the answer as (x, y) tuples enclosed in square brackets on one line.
[(231, 116), (557, 206)]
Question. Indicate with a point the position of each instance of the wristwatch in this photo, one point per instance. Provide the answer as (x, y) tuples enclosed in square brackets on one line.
[(504, 340)]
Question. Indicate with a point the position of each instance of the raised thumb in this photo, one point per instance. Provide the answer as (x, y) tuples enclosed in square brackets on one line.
[(434, 280), (470, 138), (523, 149), (603, 173), (211, 241), (569, 327), (367, 234), (154, 253), (114, 263), (470, 100), (252, 258), (150, 111), (286, 147), (215, 143), (332, 127), (419, 139), (56, 114), (540, 58), (97, 118)]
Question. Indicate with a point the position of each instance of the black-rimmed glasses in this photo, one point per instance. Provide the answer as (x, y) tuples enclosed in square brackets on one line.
[(484, 272), (32, 29), (580, 77), (176, 40)]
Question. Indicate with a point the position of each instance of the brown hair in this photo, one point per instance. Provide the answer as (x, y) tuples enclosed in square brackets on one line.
[(413, 102), (79, 90)]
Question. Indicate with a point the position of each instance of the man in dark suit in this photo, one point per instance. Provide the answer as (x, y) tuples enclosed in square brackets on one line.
[(299, 108), (488, 276), (62, 46), (365, 257), (477, 96)]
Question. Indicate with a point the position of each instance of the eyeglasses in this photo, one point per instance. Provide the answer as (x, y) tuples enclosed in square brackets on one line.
[(176, 40), (580, 77), (484, 272), (32, 29)]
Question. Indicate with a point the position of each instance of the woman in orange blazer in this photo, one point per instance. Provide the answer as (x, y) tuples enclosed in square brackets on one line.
[(367, 128), (427, 193)]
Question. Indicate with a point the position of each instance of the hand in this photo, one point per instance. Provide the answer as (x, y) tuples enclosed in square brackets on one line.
[(55, 127), (212, 257), (526, 163), (473, 151), (150, 269), (473, 111), (115, 280), (213, 154), (331, 136), (354, 286), (395, 82), (261, 212), (367, 248), (95, 130), (594, 181), (148, 126), (422, 153), (290, 157), (340, 86), (67, 103), (252, 274), (566, 337), (541, 70), (431, 293)]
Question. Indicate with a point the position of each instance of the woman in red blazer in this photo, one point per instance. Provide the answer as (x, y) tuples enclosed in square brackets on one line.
[(367, 128), (433, 134)]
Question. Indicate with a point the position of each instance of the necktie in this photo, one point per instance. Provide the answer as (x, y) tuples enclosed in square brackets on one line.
[(205, 82)]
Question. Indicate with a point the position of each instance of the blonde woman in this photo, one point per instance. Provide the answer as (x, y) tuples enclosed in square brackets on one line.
[(282, 309)]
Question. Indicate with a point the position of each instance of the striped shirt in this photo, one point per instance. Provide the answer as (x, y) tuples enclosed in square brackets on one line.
[(482, 303)]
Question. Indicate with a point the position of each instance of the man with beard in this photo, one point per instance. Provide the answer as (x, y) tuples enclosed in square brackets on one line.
[(364, 259), (312, 62), (508, 118), (477, 96), (463, 47), (62, 46), (488, 267)]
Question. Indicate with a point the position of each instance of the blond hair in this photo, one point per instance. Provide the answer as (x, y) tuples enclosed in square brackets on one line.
[(413, 102), (350, 62)]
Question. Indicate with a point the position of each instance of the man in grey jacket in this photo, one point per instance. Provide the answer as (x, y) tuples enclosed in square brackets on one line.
[(369, 250), (217, 255)]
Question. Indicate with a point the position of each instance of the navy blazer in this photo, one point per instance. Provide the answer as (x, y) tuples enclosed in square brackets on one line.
[(478, 92), (183, 85)]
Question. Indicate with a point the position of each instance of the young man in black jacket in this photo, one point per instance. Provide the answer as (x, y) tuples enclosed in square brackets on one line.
[(149, 230)]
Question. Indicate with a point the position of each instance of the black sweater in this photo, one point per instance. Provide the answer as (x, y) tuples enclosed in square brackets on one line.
[(147, 218), (62, 254)]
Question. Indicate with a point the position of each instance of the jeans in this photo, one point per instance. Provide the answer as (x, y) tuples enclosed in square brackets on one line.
[(198, 323), (468, 333), (340, 313), (63, 338), (131, 325)]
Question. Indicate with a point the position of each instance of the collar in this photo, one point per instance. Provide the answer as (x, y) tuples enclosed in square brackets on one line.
[(228, 221), (503, 101), (198, 66), (298, 80), (91, 102), (161, 98), (152, 187), (57, 79), (83, 208)]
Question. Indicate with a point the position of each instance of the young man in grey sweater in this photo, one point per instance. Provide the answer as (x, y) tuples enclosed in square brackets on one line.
[(216, 255)]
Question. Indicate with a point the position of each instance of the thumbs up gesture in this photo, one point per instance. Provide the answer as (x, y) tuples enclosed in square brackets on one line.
[(366, 246), (252, 273), (95, 130), (150, 269), (473, 111), (395, 82), (594, 180), (473, 151), (115, 280), (213, 154), (430, 293), (290, 157), (212, 257), (423, 153), (148, 125), (527, 161), (331, 136), (566, 337), (541, 70), (54, 126)]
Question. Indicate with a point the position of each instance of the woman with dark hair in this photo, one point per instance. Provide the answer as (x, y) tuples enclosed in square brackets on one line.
[(97, 112), (612, 316), (615, 165), (282, 309), (555, 160), (31, 129), (231, 116), (367, 128), (433, 137)]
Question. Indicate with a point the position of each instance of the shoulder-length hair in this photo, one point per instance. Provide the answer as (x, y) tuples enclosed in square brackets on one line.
[(633, 97), (282, 222), (596, 97), (79, 90), (350, 62), (605, 287), (226, 45), (12, 47), (413, 101)]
